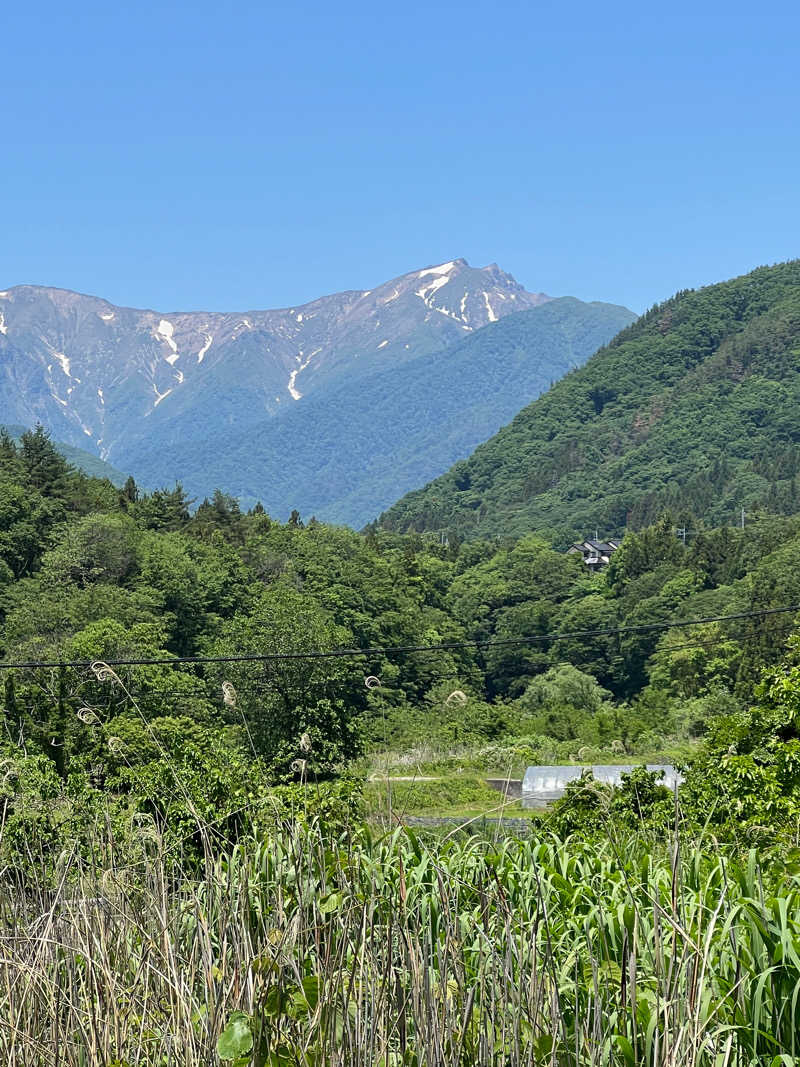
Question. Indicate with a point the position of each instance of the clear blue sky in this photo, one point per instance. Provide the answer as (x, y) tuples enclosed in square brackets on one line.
[(201, 155)]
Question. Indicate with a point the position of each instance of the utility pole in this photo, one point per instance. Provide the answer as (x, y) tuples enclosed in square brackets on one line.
[(742, 518), (682, 534)]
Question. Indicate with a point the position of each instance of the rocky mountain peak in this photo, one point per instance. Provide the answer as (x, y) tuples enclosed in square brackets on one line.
[(91, 370), (291, 392)]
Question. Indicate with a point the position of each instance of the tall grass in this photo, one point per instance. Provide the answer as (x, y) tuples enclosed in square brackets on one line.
[(391, 951)]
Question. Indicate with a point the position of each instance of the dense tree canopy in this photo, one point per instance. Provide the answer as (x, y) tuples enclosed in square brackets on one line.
[(539, 650), (692, 409)]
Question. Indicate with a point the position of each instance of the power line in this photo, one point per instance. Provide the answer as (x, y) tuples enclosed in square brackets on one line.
[(446, 646), (709, 641)]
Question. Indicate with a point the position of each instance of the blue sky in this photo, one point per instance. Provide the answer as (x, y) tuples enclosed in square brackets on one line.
[(199, 155)]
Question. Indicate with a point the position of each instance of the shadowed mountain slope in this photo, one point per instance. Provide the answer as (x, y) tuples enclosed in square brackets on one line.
[(345, 454), (338, 406)]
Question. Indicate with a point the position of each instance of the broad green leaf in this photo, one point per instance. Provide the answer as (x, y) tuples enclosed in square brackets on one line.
[(625, 1047), (236, 1039)]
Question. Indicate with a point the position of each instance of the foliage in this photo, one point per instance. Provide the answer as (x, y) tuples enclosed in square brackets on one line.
[(75, 457), (390, 799), (92, 574), (297, 715), (693, 409), (745, 779), (300, 949), (590, 808), (181, 841)]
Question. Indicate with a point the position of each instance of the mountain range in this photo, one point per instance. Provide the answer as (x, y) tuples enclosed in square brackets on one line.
[(693, 409), (337, 406)]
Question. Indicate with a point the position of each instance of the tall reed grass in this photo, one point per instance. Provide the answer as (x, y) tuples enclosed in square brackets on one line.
[(389, 951)]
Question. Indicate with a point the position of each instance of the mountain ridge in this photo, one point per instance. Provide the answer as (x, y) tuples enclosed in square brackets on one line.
[(148, 390), (437, 410), (160, 361)]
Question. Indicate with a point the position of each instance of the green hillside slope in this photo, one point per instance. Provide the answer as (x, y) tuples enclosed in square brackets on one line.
[(346, 454), (695, 406), (77, 457)]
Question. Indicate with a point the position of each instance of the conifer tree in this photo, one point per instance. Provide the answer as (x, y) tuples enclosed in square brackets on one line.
[(44, 467)]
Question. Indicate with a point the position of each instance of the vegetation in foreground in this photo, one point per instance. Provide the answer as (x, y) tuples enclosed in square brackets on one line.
[(356, 950)]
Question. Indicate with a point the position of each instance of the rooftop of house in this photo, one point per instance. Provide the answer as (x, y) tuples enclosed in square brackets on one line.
[(600, 548)]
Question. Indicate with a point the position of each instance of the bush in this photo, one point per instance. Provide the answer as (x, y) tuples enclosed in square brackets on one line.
[(589, 808)]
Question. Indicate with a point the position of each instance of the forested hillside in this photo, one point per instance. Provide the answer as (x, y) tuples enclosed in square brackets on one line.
[(77, 457), (696, 407), (186, 841), (545, 653)]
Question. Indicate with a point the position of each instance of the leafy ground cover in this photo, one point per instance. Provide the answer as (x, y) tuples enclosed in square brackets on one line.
[(465, 795)]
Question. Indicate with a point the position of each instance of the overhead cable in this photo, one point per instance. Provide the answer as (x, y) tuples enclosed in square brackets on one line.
[(392, 650)]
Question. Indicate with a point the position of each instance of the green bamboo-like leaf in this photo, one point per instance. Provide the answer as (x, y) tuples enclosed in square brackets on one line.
[(626, 1048), (330, 904)]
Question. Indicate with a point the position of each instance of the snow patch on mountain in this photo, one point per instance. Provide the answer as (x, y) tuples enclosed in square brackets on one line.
[(106, 318), (209, 338), (431, 288), (294, 392), (489, 309), (166, 331), (450, 314), (3, 327), (443, 268), (63, 362)]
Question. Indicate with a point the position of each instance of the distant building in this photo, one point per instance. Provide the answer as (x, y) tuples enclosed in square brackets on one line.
[(596, 554)]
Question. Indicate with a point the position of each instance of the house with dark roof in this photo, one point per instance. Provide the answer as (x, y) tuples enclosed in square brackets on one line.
[(596, 554)]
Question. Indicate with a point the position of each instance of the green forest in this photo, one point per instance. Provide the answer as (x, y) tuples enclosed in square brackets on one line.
[(548, 660), (694, 407), (220, 733)]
